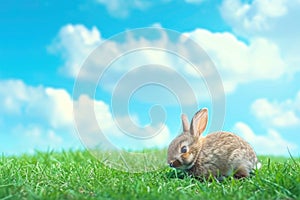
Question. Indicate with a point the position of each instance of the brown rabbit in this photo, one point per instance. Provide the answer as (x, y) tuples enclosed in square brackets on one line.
[(218, 154)]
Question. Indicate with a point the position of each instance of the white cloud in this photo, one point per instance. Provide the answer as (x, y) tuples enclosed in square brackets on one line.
[(277, 114), (270, 144), (74, 43), (122, 58), (35, 137), (42, 118), (239, 62), (297, 102), (61, 106), (236, 61), (13, 94), (122, 8), (53, 105), (254, 16), (274, 20), (97, 128), (35, 117)]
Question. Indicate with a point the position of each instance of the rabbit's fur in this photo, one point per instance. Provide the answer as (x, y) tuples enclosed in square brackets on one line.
[(218, 154)]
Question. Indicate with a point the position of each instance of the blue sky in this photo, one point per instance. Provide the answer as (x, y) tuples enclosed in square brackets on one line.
[(254, 46)]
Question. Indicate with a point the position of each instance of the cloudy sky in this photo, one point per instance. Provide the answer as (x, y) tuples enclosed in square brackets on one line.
[(67, 80)]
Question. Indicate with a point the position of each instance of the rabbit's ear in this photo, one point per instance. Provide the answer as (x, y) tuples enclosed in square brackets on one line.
[(199, 122), (185, 123)]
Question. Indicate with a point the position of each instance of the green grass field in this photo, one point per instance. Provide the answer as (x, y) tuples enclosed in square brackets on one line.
[(78, 175)]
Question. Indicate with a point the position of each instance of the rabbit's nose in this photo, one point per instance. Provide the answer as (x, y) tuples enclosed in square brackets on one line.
[(175, 163)]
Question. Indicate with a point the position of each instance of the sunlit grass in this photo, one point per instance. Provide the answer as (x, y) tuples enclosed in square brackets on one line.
[(78, 175)]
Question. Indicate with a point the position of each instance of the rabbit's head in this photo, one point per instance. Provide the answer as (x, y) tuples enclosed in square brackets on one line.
[(184, 149)]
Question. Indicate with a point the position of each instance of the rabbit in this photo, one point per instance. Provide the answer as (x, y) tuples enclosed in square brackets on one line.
[(220, 154)]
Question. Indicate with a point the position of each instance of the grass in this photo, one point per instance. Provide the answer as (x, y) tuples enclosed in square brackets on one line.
[(78, 175)]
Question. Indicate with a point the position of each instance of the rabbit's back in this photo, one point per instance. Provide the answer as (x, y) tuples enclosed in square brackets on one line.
[(223, 154)]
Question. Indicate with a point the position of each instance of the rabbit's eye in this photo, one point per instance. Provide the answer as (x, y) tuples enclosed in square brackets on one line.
[(183, 149)]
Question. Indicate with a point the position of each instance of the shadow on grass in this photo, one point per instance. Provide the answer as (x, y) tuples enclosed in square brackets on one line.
[(181, 174), (177, 174)]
